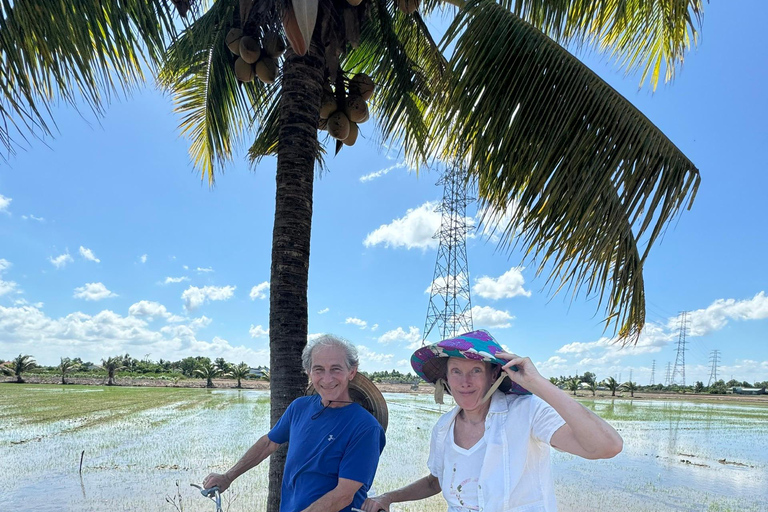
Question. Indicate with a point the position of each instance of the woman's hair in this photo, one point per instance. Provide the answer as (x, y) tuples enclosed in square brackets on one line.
[(329, 340)]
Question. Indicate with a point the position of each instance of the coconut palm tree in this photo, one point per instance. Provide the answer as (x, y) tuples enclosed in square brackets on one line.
[(240, 372), (612, 384), (573, 385), (65, 366), (593, 386), (209, 371), (589, 174), (21, 364), (631, 387), (222, 364), (112, 365)]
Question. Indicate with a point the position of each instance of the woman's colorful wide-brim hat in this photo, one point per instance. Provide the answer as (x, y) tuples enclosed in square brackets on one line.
[(429, 362)]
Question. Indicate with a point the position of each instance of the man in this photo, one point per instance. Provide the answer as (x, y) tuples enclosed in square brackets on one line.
[(335, 443)]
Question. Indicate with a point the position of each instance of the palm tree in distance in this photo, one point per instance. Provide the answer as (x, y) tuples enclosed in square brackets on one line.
[(573, 385), (208, 371), (631, 387), (65, 366), (240, 372), (593, 386), (112, 365), (612, 384), (21, 365), (589, 174)]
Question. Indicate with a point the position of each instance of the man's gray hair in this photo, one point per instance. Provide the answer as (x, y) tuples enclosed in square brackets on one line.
[(329, 340)]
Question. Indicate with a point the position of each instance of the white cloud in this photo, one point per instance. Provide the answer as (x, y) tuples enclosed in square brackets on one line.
[(258, 331), (378, 174), (717, 314), (202, 270), (5, 202), (169, 280), (374, 327), (61, 260), (356, 321), (199, 323), (508, 285), (412, 337), (195, 297), (32, 217), (150, 310), (323, 311), (93, 291), (143, 258), (88, 254), (260, 291), (373, 361), (5, 286), (416, 230), (487, 316), (24, 329)]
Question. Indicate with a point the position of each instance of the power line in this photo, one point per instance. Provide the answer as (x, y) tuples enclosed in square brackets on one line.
[(668, 379), (653, 373)]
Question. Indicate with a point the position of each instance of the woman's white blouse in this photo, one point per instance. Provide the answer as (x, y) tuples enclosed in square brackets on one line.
[(515, 473)]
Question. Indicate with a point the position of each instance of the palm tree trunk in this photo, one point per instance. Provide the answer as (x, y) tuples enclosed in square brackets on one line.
[(296, 151)]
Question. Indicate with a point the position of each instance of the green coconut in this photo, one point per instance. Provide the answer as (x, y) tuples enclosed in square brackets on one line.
[(338, 125), (362, 85), (243, 70), (249, 49), (357, 109), (233, 40), (352, 137), (266, 70), (274, 45)]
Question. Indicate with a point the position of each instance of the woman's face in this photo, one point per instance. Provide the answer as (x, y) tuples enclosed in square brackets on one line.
[(469, 381)]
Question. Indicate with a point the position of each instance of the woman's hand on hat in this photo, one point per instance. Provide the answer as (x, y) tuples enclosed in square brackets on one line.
[(526, 373)]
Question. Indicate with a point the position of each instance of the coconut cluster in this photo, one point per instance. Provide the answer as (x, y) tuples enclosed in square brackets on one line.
[(341, 113), (407, 6), (255, 58)]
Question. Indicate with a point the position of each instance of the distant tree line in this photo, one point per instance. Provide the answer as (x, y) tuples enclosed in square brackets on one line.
[(127, 366)]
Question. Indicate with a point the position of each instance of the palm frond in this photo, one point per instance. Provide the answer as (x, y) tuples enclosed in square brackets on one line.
[(215, 107), (399, 53), (591, 176), (73, 51), (639, 34)]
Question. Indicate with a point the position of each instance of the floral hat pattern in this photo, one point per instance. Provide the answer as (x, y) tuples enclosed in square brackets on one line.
[(478, 345)]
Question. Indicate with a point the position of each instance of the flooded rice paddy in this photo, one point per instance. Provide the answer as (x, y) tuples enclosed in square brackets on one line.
[(139, 442)]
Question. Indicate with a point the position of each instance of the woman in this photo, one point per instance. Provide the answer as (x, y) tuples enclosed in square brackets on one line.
[(491, 452)]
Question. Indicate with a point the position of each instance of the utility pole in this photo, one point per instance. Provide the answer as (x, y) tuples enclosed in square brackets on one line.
[(680, 359), (714, 359), (668, 379), (653, 374)]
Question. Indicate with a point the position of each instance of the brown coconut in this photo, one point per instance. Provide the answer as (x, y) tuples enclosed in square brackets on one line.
[(328, 107), (357, 109), (338, 125), (249, 49), (352, 137), (408, 6), (233, 40), (362, 85), (266, 70), (273, 44), (243, 70)]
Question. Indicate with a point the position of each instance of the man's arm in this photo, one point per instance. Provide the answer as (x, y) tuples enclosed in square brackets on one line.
[(418, 490), (338, 498), (260, 450)]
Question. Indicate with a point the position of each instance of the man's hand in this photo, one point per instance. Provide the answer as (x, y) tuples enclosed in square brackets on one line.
[(217, 480), (377, 503)]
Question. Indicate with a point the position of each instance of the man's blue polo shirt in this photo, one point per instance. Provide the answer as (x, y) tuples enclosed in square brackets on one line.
[(341, 442)]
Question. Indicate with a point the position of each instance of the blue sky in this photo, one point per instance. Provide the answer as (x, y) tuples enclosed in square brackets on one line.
[(110, 243)]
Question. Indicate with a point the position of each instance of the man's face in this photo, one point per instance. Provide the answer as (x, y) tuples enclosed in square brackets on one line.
[(329, 374)]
